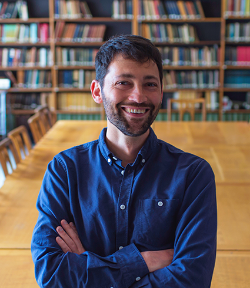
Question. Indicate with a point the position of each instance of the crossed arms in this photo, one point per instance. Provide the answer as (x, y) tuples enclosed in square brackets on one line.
[(69, 241)]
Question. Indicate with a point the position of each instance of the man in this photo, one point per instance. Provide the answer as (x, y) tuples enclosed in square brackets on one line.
[(127, 210)]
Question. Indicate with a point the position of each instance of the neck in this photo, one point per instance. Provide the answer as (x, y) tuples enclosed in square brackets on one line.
[(122, 146)]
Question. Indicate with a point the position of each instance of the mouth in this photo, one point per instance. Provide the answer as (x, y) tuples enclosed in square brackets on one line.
[(135, 111)]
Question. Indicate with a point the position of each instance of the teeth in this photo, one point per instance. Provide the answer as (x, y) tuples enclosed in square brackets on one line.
[(136, 111)]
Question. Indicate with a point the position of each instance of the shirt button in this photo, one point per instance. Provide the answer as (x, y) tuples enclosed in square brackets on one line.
[(120, 247), (109, 160), (122, 207), (122, 172), (138, 278), (143, 160), (160, 203)]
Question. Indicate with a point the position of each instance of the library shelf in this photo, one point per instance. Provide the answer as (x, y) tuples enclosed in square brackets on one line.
[(77, 112), (200, 20), (236, 89), (242, 111), (235, 67), (75, 67), (30, 20), (16, 68), (93, 19), (34, 90), (22, 112), (196, 43), (168, 67), (120, 26), (25, 44), (71, 89), (191, 89), (83, 44), (196, 110)]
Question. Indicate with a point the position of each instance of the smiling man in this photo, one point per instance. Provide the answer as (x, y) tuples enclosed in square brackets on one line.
[(126, 210)]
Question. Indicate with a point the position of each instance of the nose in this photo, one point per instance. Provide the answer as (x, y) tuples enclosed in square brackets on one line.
[(138, 94)]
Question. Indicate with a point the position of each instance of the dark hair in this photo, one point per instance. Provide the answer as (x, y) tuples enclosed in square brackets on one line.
[(130, 46)]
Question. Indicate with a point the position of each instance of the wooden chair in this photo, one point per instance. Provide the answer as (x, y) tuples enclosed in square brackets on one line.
[(187, 105), (47, 116), (7, 151), (37, 127), (21, 141)]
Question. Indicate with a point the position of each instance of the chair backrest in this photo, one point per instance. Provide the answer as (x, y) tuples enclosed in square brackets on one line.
[(187, 105), (21, 141), (37, 127), (7, 152), (47, 116)]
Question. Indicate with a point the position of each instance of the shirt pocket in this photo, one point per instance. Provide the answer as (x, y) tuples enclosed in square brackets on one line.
[(158, 222)]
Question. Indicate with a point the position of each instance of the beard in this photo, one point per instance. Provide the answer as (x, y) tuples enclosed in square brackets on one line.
[(134, 127)]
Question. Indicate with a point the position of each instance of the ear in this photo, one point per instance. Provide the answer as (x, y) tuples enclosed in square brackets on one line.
[(96, 91)]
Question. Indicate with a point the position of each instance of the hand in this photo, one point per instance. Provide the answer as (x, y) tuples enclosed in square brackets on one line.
[(69, 240), (158, 259)]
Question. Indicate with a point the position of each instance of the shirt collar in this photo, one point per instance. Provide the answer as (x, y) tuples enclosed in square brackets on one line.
[(145, 152)]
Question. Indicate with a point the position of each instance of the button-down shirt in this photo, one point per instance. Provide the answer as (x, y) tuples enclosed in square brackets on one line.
[(165, 199)]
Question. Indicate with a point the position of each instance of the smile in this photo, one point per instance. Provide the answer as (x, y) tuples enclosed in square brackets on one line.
[(135, 111)]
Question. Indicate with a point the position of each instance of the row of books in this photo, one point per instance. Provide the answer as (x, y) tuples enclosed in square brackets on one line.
[(122, 9), (170, 33), (71, 9), (237, 79), (190, 56), (24, 33), (237, 8), (156, 9), (12, 57), (77, 102), (239, 56), (75, 56), (75, 78), (33, 79), (238, 32), (17, 9), (25, 101), (191, 79), (72, 32)]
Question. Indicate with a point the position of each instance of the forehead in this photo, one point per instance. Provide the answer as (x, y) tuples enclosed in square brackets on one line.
[(121, 64)]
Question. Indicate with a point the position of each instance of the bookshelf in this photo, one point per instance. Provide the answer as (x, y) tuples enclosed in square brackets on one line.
[(206, 34)]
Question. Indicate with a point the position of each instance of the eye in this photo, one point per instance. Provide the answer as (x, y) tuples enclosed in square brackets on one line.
[(122, 83), (151, 84)]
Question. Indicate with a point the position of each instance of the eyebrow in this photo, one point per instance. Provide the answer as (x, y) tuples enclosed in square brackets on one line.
[(148, 77)]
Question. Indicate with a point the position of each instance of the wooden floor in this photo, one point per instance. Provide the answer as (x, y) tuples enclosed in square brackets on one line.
[(226, 146)]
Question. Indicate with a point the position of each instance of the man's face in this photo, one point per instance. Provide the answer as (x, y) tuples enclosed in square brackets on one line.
[(131, 95)]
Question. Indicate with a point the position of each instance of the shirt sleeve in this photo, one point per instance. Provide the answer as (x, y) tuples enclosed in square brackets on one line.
[(53, 268), (195, 237)]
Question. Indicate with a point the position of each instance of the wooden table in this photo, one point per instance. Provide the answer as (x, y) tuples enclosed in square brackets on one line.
[(224, 145)]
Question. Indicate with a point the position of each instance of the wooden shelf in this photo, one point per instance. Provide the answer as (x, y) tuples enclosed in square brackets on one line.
[(169, 67), (30, 20), (200, 20), (190, 89), (236, 89), (237, 18), (22, 112), (15, 68), (243, 111), (237, 42), (72, 89), (17, 44), (196, 43), (235, 67), (61, 67), (94, 19), (97, 44), (32, 90), (77, 112)]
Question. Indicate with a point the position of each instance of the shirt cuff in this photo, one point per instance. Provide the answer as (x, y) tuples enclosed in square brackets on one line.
[(133, 266)]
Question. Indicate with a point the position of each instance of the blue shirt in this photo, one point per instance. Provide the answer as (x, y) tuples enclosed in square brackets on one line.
[(165, 199)]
